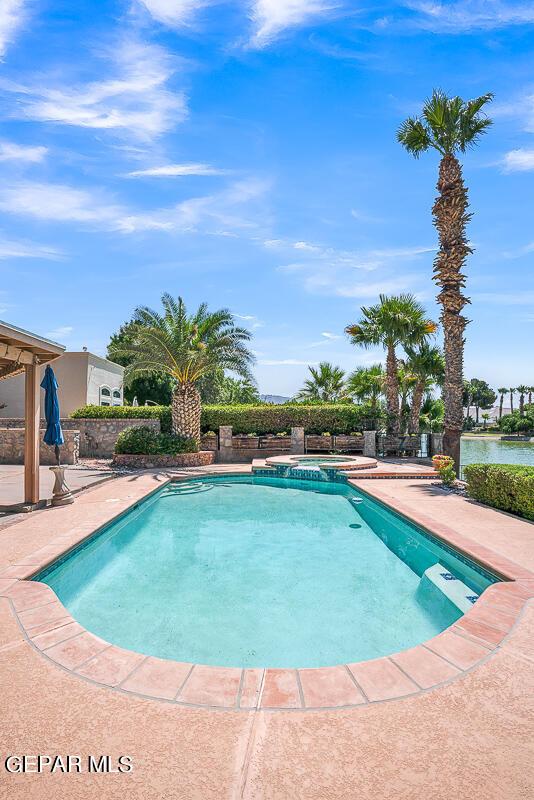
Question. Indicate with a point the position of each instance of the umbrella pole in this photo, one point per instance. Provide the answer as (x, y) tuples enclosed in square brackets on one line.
[(56, 448)]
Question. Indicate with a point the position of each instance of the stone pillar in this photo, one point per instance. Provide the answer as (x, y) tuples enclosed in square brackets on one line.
[(436, 444), (369, 444), (225, 443), (297, 441)]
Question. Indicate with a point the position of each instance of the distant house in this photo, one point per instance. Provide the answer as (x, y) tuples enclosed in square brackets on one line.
[(83, 378)]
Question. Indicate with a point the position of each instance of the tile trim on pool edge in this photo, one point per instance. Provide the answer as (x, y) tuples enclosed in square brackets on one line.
[(469, 641)]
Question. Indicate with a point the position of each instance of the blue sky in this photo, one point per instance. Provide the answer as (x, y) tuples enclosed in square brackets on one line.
[(244, 153)]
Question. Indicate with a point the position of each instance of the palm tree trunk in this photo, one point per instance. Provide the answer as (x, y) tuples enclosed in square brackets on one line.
[(417, 401), (500, 405), (511, 402), (392, 392), (521, 405), (185, 410), (451, 218)]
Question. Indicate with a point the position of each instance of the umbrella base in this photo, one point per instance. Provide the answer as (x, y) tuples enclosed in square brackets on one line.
[(61, 494)]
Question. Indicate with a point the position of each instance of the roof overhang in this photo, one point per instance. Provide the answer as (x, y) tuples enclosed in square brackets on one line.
[(19, 348)]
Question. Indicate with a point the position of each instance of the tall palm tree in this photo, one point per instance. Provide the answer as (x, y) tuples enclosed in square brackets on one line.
[(327, 383), (502, 391), (522, 392), (186, 347), (392, 322), (449, 125), (428, 365), (367, 385), (512, 391), (530, 391)]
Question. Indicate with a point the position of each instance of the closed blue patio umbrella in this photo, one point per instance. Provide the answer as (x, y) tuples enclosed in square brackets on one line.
[(53, 434)]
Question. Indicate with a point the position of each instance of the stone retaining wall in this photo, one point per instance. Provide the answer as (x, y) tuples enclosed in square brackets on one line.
[(99, 436), (201, 459), (12, 447)]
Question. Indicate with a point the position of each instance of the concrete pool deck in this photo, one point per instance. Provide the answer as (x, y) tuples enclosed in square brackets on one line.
[(472, 734)]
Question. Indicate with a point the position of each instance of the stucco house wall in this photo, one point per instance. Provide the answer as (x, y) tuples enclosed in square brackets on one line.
[(80, 377)]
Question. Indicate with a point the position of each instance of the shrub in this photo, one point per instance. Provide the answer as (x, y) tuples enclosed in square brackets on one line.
[(444, 466), (163, 413), (315, 418), (509, 487), (144, 441)]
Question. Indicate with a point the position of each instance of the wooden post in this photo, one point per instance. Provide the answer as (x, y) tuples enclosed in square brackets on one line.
[(32, 412)]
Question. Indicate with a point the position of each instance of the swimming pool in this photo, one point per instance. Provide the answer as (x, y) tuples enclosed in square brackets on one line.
[(264, 572)]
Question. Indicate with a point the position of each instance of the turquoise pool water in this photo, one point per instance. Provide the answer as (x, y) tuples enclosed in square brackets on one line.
[(259, 572)]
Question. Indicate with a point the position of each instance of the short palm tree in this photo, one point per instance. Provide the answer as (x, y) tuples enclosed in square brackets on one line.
[(522, 392), (367, 385), (428, 365), (449, 125), (186, 347), (502, 391), (392, 322), (530, 391), (327, 383)]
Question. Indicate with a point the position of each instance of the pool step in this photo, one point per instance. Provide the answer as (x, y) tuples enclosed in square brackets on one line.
[(440, 584), (261, 464)]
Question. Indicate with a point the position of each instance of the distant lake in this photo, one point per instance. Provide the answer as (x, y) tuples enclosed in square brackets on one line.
[(493, 451)]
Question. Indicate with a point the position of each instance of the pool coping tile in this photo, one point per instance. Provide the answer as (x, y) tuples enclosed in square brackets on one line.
[(212, 686), (381, 679), (157, 677), (329, 686), (281, 689), (424, 667)]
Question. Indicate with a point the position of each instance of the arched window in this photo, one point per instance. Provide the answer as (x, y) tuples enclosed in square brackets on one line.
[(105, 396), (117, 397)]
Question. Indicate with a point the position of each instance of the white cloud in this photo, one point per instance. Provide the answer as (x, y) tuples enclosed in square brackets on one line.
[(177, 170), (135, 101), (57, 202), (333, 271), (520, 160), (62, 332), (217, 214), (310, 248), (13, 249), (174, 13), (330, 336), (250, 318), (470, 15), (12, 14), (10, 151), (272, 17)]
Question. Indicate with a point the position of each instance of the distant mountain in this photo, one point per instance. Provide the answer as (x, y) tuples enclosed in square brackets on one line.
[(278, 399)]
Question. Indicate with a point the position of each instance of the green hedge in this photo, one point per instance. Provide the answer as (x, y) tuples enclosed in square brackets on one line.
[(509, 487), (163, 413), (142, 440), (335, 418)]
